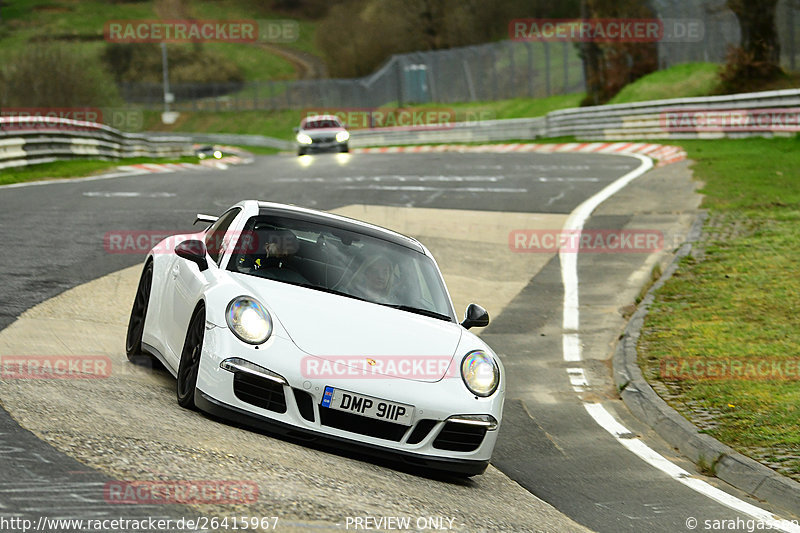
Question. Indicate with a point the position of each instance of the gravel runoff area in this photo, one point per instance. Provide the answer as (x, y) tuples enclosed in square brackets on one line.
[(129, 426)]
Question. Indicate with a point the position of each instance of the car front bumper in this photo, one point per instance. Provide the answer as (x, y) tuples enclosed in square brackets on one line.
[(293, 408), (466, 467), (328, 146)]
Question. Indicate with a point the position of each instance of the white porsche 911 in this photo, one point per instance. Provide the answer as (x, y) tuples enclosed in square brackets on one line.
[(321, 327)]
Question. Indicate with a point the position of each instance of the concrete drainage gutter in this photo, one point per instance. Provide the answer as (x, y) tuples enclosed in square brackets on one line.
[(725, 463)]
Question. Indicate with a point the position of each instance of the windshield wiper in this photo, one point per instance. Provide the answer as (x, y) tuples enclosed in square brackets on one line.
[(420, 311)]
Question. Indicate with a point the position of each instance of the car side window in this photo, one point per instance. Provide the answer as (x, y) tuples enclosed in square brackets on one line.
[(215, 235)]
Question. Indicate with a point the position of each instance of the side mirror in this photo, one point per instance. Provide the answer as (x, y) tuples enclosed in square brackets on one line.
[(475, 317), (194, 251)]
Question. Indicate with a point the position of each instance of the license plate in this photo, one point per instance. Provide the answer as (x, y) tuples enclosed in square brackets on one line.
[(359, 404)]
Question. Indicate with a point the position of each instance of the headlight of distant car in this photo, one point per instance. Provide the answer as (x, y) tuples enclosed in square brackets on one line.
[(217, 154), (249, 320), (342, 136), (480, 373), (302, 138)]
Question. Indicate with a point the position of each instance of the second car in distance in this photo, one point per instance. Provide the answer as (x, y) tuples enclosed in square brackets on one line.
[(321, 133)]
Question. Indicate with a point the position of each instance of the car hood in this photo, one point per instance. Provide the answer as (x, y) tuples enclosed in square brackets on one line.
[(322, 132), (345, 331)]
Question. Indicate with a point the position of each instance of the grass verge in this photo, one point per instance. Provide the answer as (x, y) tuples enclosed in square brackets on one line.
[(75, 168), (279, 124), (80, 26), (680, 81), (735, 307)]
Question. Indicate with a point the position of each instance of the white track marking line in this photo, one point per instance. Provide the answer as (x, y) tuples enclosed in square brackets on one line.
[(571, 346)]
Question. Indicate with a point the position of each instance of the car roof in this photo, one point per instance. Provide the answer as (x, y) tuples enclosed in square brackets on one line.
[(314, 118), (340, 222)]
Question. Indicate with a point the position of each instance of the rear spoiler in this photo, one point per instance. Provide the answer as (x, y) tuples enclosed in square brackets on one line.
[(210, 219)]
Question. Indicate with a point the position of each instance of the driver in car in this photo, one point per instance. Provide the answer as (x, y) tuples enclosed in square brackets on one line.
[(275, 262)]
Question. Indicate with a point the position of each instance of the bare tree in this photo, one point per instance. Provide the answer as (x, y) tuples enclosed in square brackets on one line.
[(759, 32), (757, 59), (609, 66)]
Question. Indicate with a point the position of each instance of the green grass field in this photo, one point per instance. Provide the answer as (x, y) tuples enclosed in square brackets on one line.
[(689, 79), (279, 124), (79, 26), (75, 168), (740, 302)]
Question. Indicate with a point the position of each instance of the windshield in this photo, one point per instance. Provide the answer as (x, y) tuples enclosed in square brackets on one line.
[(320, 124), (349, 263)]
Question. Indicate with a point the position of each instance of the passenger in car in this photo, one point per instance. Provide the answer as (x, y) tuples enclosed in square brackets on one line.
[(373, 280)]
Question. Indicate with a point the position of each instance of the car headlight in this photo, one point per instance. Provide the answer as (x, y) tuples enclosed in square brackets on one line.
[(480, 373), (302, 138), (217, 154), (342, 136), (249, 320)]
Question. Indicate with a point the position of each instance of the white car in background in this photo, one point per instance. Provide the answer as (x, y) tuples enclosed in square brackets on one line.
[(322, 327), (321, 133)]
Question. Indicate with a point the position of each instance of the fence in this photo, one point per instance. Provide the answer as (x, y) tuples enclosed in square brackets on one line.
[(492, 71), (33, 140)]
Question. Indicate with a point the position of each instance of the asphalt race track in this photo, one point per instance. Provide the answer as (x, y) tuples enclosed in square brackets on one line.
[(53, 241)]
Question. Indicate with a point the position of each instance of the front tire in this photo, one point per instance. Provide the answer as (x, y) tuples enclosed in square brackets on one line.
[(190, 359), (133, 340)]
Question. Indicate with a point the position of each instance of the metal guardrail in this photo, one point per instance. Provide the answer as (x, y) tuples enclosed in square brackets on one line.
[(737, 115), (26, 141), (32, 140), (459, 132), (231, 138), (637, 121)]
